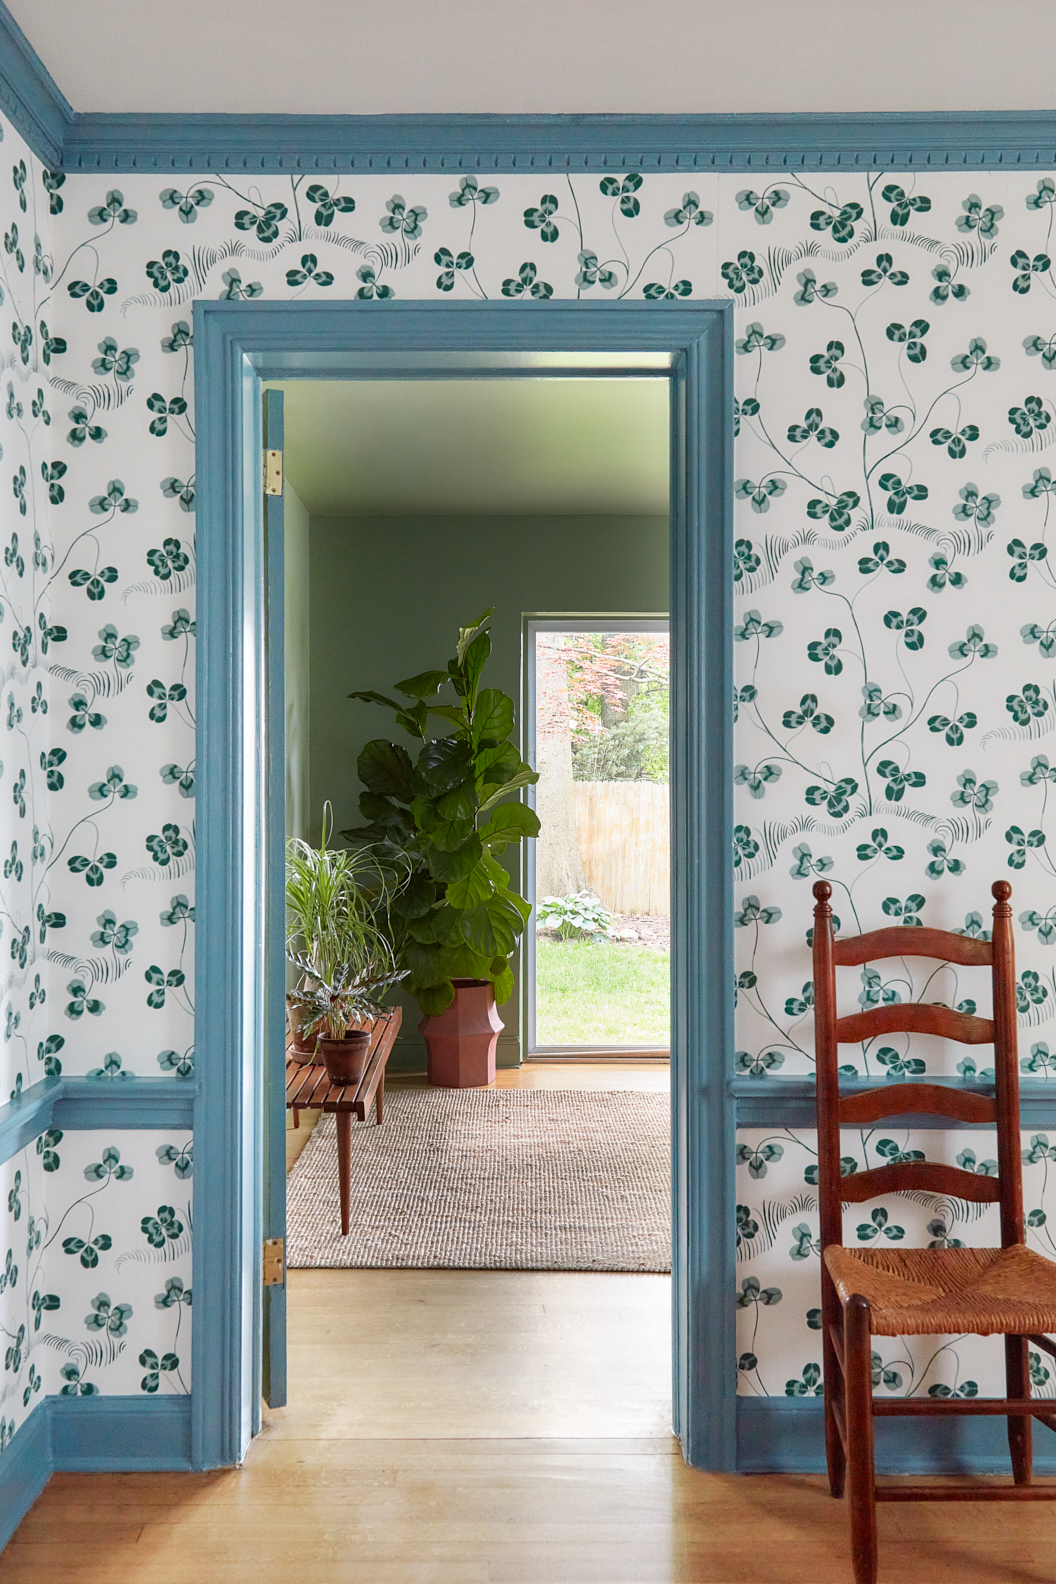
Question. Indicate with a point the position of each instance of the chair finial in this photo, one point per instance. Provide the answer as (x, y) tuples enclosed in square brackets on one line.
[(823, 891), (1001, 890)]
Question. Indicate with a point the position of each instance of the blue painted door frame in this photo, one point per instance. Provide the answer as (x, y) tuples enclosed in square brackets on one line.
[(237, 345)]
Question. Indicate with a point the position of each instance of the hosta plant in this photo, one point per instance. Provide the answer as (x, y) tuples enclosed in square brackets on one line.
[(574, 916), (444, 819)]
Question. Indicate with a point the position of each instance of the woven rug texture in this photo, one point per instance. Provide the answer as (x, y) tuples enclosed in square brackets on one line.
[(482, 1179)]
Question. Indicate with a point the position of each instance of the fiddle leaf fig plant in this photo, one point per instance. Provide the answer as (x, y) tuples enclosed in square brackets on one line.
[(444, 820)]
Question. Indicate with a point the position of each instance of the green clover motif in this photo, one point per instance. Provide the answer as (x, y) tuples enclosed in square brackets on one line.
[(805, 1245), (120, 650), (115, 500), (655, 291), (808, 711), (974, 794), (93, 583), (745, 560), (753, 913), (878, 846), (1046, 194), (814, 428), (526, 281), (175, 693), (169, 845), (624, 191), (448, 263), (955, 441), (175, 1294), (806, 864), (973, 646), (181, 1160), (470, 193), (757, 1159), (881, 558), (1040, 770), (1037, 346), (754, 626), (1039, 1060), (1030, 991), (897, 779), (11, 247), (823, 651), (976, 357), (756, 780), (83, 428), (94, 295), (165, 1226), (43, 1303), (111, 933), (75, 1385), (186, 204), (591, 273), (263, 220), (1044, 637), (742, 274), (53, 181), (811, 291), (175, 407), (180, 339), (978, 218), (835, 799), (838, 511), (747, 1226), (827, 363), (757, 1066), (172, 1061), (327, 207), (178, 912), (309, 271), (899, 494), (895, 1155), (169, 560), (940, 1237), (908, 911), (946, 287), (112, 360), (49, 763), (1021, 842), (1025, 267), (168, 271), (762, 205), (1040, 1149), (108, 1317), (162, 982), (47, 1149), (748, 408), (806, 578), (1030, 418), (371, 287), (908, 625), (93, 869), (759, 494), (754, 339), (179, 489), (179, 776), (1028, 705), (114, 786), (89, 1258), (902, 206), (111, 1068), (539, 219), (884, 271), (881, 1373), (22, 336), (841, 220), (113, 208), (953, 730), (13, 1355), (155, 1367), (809, 1385), (799, 1006), (1044, 923), (689, 212), (82, 1001), (235, 291), (879, 1222)]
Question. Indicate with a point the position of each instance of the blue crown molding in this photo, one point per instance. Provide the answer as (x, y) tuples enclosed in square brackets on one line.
[(29, 97), (79, 1104), (558, 143)]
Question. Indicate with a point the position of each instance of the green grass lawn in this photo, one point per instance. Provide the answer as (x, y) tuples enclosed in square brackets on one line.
[(601, 994)]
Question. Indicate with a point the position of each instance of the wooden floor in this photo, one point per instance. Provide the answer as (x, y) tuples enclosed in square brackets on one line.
[(489, 1427)]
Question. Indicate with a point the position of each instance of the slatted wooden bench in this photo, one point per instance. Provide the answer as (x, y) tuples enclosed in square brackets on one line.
[(309, 1088)]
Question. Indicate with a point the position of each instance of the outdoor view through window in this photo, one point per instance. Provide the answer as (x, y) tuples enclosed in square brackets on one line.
[(602, 860)]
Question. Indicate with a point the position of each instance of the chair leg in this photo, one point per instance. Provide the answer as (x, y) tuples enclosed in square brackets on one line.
[(835, 1388), (858, 1386), (1017, 1378)]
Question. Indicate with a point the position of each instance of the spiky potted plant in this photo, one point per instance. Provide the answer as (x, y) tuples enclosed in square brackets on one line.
[(338, 937), (443, 820)]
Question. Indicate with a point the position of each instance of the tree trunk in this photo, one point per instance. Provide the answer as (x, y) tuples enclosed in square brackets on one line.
[(558, 865)]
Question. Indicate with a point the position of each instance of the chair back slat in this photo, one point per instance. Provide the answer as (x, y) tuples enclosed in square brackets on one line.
[(903, 941), (914, 1017), (903, 1099), (929, 1176), (899, 1099)]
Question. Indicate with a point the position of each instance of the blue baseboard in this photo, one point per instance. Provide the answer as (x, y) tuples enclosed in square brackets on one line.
[(786, 1435), (91, 1435)]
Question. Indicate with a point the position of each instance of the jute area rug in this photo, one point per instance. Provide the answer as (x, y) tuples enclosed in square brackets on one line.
[(479, 1179)]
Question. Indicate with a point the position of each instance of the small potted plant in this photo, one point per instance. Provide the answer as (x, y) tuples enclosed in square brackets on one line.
[(337, 936), (442, 820)]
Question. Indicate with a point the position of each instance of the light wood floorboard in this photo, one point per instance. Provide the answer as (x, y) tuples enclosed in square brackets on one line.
[(490, 1427)]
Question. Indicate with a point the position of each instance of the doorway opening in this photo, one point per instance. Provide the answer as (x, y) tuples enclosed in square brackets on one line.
[(598, 960)]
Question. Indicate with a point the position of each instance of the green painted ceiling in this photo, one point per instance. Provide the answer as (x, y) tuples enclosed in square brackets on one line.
[(478, 447)]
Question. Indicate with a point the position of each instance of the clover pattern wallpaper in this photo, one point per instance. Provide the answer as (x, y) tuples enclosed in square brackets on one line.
[(896, 641)]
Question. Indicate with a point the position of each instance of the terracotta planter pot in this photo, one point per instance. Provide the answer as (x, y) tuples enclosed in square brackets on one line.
[(345, 1059), (461, 1041), (301, 1047)]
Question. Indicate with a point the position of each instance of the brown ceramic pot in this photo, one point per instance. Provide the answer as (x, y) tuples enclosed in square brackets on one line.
[(345, 1059), (461, 1042), (301, 1046)]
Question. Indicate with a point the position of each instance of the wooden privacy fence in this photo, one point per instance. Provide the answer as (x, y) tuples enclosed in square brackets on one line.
[(624, 830)]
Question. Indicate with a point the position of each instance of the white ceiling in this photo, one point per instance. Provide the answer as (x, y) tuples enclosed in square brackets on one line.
[(360, 57), (478, 447)]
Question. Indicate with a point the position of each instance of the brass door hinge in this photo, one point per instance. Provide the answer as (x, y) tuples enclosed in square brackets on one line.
[(273, 472), (274, 1262)]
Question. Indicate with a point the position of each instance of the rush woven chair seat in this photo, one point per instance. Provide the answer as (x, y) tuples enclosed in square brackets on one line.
[(1009, 1291)]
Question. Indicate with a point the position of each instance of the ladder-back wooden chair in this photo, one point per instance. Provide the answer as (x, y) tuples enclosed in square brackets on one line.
[(866, 1292)]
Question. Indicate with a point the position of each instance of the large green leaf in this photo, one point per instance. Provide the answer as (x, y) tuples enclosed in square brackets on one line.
[(414, 720), (503, 983), (438, 927), (458, 804), (386, 768), (467, 634), (424, 685), (473, 890), (445, 762), (490, 930), (495, 765), (371, 697), (385, 812), (508, 823), (450, 712), (456, 864), (476, 655), (526, 777), (425, 964), (493, 716), (436, 999), (417, 897)]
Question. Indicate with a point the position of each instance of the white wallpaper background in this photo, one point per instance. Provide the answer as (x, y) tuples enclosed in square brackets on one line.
[(895, 648)]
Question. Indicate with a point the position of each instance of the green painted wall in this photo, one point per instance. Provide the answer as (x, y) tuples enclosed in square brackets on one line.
[(387, 595)]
